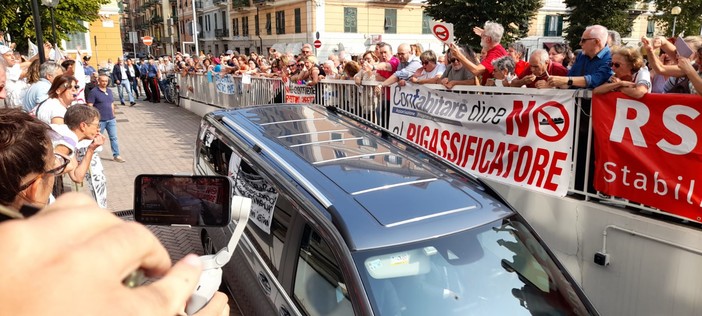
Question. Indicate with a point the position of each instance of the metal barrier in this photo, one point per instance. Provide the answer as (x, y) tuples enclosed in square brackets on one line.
[(212, 91), (370, 102)]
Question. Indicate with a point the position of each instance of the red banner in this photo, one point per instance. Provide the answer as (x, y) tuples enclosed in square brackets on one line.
[(648, 150)]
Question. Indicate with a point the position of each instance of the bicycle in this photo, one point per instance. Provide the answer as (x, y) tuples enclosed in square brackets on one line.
[(172, 93)]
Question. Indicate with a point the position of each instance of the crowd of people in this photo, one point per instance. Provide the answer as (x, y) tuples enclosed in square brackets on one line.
[(602, 64), (75, 252)]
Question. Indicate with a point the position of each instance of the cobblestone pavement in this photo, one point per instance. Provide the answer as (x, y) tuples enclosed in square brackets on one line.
[(154, 138)]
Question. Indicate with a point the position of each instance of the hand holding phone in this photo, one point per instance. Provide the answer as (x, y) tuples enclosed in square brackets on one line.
[(682, 48)]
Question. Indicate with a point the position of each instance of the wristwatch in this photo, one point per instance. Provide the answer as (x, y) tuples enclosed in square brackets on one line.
[(373, 67), (570, 81)]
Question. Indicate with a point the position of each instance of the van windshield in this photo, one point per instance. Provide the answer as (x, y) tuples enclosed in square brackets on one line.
[(496, 269)]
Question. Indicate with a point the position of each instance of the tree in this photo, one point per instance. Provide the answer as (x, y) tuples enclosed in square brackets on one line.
[(18, 20), (612, 14), (513, 15), (689, 19)]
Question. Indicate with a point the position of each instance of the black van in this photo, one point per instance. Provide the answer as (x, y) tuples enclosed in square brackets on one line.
[(350, 220)]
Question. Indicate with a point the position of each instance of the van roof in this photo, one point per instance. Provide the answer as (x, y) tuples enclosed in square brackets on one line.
[(382, 191)]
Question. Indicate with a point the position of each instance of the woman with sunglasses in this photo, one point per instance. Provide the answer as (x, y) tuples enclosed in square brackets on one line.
[(456, 73), (631, 76), (61, 94)]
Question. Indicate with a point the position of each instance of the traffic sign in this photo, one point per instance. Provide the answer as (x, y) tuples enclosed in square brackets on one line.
[(148, 40), (317, 43), (443, 32)]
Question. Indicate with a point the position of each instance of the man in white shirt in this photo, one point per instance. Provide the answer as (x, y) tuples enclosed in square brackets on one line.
[(122, 78)]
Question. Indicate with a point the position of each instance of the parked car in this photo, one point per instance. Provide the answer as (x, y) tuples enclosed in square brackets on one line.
[(348, 219)]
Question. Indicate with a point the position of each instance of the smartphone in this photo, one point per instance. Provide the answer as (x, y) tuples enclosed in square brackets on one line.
[(173, 200), (682, 48)]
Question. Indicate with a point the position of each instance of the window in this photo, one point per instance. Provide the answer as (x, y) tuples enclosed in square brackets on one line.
[(207, 23), (268, 24), (426, 23), (651, 28), (298, 21), (75, 39), (390, 21), (554, 25), (224, 20), (213, 153), (198, 29), (235, 26), (280, 22), (266, 230), (256, 28), (350, 20), (245, 27), (319, 284)]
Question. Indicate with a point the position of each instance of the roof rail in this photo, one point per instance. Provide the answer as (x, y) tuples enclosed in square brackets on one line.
[(273, 155)]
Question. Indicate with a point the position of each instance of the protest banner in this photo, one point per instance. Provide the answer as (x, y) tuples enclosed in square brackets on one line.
[(524, 140), (647, 150)]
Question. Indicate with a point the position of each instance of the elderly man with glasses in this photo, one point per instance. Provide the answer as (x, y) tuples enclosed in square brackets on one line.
[(490, 37), (540, 68), (591, 67), (408, 65)]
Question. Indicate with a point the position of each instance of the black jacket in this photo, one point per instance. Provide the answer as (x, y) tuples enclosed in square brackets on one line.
[(117, 73)]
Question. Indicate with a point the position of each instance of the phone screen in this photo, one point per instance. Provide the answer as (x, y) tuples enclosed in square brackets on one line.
[(182, 200)]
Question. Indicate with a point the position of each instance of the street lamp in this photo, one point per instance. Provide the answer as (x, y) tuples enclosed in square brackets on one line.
[(52, 4), (675, 11)]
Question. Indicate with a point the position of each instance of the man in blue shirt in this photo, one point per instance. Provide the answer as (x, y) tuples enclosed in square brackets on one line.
[(101, 98), (591, 67), (39, 91)]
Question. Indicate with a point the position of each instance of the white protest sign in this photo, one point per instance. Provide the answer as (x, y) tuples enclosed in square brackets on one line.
[(523, 140), (442, 31), (263, 195)]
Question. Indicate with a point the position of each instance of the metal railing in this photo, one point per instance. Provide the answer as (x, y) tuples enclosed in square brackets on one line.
[(370, 102)]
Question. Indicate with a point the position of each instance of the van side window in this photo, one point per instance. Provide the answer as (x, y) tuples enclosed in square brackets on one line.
[(269, 245), (319, 284), (214, 153)]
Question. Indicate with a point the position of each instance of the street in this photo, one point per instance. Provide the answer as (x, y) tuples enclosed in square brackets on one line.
[(154, 139)]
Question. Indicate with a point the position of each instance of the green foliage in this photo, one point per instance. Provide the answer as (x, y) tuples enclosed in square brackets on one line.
[(18, 19), (689, 19), (613, 14), (513, 15)]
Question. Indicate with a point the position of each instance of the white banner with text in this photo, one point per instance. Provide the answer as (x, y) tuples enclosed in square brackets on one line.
[(524, 140)]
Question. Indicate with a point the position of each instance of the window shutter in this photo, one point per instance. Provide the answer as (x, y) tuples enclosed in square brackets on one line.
[(547, 25), (559, 27)]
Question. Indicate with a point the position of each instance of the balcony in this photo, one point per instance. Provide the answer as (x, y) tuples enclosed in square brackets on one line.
[(172, 2), (198, 5), (239, 4), (157, 19), (220, 2), (220, 33)]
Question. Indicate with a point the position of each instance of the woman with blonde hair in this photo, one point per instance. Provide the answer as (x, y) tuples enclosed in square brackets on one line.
[(631, 76)]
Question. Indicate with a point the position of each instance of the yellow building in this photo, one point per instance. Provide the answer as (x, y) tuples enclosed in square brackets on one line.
[(102, 41)]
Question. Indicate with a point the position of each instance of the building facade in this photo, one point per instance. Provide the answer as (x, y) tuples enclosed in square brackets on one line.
[(102, 40), (351, 26)]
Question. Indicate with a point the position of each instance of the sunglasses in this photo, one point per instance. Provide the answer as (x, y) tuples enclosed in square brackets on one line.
[(425, 62), (62, 163), (67, 86), (453, 60), (614, 64)]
